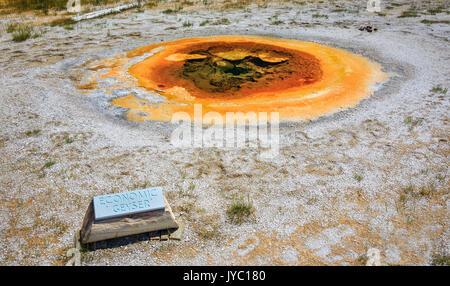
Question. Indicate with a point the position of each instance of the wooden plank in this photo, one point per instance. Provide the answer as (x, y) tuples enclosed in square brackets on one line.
[(87, 223), (93, 231)]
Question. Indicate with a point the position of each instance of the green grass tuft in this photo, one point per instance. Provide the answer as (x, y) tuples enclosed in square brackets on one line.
[(49, 164), (408, 14), (437, 10), (223, 21), (412, 122), (277, 22), (11, 27), (425, 21), (320, 16), (187, 24), (439, 90), (23, 32), (239, 211), (358, 177), (169, 11), (68, 140), (33, 132), (62, 22)]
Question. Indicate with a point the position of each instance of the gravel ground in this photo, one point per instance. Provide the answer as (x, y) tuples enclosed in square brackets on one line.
[(371, 176)]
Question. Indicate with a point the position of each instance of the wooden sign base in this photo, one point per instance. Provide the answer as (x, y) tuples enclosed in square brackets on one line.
[(93, 231)]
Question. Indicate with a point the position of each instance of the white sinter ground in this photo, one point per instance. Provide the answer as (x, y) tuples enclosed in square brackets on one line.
[(372, 176)]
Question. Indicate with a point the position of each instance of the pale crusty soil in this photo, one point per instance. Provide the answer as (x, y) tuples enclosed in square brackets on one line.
[(310, 208)]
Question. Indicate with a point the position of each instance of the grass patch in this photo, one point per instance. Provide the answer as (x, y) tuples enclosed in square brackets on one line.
[(435, 22), (425, 192), (152, 3), (62, 22), (32, 132), (239, 211), (408, 14), (206, 233), (140, 186), (22, 32), (204, 23), (439, 89), (358, 177), (211, 230), (403, 199), (46, 5), (187, 207), (227, 4), (68, 140), (412, 192), (440, 177), (223, 21), (412, 122), (43, 5), (11, 27), (405, 195), (312, 201), (362, 260), (170, 11), (187, 24), (277, 22), (187, 3), (440, 260), (321, 182), (320, 16), (437, 10), (48, 164)]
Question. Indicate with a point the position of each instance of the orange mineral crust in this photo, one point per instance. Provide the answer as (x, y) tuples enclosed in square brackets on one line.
[(299, 80)]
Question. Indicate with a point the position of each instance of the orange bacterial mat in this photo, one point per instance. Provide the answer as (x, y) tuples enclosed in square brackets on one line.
[(299, 80)]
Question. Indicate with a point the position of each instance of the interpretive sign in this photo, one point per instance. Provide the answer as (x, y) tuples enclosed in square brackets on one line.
[(132, 202)]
